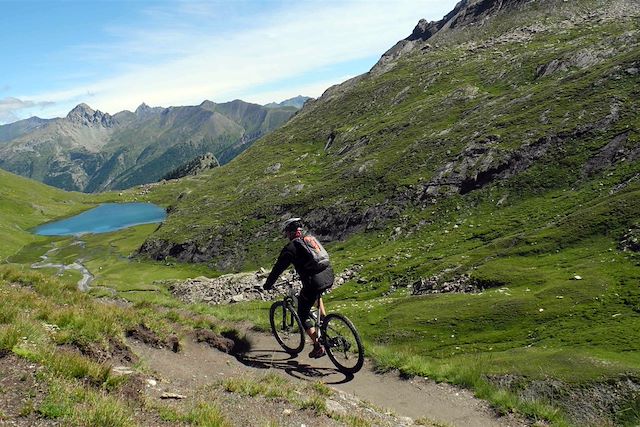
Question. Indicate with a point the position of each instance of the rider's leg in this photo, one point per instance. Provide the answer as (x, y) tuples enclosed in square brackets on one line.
[(312, 331), (306, 299), (318, 350), (305, 303), (313, 334), (323, 313)]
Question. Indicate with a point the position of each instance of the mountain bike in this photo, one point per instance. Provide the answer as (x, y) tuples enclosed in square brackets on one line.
[(336, 333)]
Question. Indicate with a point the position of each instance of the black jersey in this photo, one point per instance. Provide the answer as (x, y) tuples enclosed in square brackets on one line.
[(292, 253)]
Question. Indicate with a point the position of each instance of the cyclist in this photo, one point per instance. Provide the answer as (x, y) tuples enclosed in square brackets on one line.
[(311, 262)]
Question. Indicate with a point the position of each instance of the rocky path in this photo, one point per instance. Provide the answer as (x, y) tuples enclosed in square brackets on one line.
[(197, 365)]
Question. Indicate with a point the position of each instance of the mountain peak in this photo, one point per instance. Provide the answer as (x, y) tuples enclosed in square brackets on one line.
[(208, 105), (297, 102), (81, 109), (84, 115), (142, 109), (465, 14)]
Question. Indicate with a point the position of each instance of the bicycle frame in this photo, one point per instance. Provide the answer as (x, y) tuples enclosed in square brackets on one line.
[(334, 331), (290, 301), (321, 314)]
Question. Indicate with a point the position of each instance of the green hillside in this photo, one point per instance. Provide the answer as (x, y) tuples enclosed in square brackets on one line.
[(504, 157), (475, 119), (25, 204)]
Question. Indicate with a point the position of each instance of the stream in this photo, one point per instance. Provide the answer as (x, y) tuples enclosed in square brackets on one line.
[(87, 277)]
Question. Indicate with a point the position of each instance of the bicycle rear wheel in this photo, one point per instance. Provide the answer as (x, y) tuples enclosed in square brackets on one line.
[(286, 327), (342, 343)]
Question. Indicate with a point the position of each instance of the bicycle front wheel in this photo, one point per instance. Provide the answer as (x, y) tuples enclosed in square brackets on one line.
[(286, 327), (342, 343)]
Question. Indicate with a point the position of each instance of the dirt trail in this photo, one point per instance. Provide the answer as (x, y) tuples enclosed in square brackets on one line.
[(197, 365)]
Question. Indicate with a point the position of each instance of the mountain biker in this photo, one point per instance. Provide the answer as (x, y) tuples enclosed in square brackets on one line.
[(315, 273)]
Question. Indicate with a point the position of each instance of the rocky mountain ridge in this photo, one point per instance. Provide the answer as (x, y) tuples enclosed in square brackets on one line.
[(297, 102), (13, 130), (90, 151), (84, 115)]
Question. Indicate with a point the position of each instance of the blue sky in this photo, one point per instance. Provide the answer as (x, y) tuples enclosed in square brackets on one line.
[(114, 55)]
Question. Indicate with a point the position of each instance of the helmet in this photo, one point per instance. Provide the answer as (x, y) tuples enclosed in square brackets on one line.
[(292, 224)]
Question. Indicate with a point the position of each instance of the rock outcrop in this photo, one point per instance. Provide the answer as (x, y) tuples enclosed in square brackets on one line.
[(630, 241), (436, 285), (466, 13), (194, 167), (234, 288)]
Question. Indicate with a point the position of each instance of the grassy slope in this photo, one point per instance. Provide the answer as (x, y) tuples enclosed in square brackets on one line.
[(410, 138), (25, 203), (554, 221), (47, 322), (65, 333)]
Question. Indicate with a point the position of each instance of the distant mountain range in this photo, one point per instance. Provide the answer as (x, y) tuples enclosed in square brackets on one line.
[(92, 151), (296, 102)]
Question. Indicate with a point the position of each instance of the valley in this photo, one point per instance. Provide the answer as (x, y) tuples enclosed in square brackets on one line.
[(92, 151)]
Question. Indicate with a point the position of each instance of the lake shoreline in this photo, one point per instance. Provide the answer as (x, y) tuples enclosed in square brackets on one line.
[(104, 218)]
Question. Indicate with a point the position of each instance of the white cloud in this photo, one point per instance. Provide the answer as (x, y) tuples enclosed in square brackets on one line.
[(313, 90), (10, 108), (183, 65)]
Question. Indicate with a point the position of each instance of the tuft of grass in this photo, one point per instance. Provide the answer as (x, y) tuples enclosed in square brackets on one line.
[(270, 385), (205, 414), (61, 399), (321, 389), (68, 364), (104, 411), (199, 413), (9, 337), (315, 403), (26, 409), (75, 403)]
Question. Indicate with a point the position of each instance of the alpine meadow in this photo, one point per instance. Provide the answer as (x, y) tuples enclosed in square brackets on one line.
[(478, 192)]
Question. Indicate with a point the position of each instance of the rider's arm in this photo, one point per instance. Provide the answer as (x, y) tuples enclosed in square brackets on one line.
[(284, 261)]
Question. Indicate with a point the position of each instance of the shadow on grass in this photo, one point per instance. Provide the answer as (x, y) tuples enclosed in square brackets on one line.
[(285, 362)]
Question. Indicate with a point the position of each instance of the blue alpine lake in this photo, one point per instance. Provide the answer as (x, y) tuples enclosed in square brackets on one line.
[(105, 218)]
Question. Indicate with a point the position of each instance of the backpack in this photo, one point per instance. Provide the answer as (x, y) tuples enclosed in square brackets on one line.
[(318, 258)]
